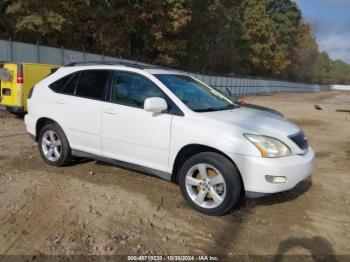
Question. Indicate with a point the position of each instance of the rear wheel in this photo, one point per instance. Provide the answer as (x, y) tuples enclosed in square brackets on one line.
[(53, 145), (210, 183)]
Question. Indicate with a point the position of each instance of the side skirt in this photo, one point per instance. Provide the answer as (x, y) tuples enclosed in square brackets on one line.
[(142, 169)]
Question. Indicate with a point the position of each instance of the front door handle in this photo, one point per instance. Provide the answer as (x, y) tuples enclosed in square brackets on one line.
[(110, 111)]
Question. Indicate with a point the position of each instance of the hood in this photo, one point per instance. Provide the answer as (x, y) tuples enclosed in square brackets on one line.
[(256, 121)]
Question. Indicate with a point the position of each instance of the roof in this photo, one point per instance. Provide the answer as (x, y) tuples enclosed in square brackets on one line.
[(152, 69)]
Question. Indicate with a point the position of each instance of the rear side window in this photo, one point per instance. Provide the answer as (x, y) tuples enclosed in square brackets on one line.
[(92, 84)]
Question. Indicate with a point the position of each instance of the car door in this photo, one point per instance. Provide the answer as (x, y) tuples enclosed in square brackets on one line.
[(82, 99), (129, 133)]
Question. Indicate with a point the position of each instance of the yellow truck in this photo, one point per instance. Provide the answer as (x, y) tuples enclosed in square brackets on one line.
[(16, 80)]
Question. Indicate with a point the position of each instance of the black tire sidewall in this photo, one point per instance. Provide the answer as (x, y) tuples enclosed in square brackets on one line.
[(65, 156), (228, 171)]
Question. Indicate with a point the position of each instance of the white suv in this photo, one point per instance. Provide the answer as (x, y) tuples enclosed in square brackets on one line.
[(170, 125)]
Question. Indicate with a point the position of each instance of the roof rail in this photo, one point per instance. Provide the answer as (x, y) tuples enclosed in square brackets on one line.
[(129, 64), (124, 63)]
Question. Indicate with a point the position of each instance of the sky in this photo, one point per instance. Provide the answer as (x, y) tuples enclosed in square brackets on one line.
[(330, 21)]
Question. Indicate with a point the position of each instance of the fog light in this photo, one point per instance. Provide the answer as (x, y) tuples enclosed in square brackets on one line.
[(276, 179)]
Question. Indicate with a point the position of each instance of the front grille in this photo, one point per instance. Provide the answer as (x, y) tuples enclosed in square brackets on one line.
[(300, 139)]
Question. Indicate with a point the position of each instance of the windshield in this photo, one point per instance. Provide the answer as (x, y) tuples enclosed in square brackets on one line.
[(197, 96)]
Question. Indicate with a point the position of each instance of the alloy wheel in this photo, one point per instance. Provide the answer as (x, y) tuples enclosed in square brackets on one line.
[(51, 145), (205, 185)]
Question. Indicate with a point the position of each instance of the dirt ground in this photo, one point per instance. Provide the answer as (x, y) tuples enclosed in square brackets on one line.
[(94, 208)]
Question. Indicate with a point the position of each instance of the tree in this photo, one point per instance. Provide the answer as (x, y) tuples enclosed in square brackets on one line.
[(303, 55), (49, 22), (5, 20), (259, 43), (286, 20), (327, 71), (211, 36), (265, 38)]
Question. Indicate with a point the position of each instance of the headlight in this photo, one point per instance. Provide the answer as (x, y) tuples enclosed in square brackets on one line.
[(269, 146)]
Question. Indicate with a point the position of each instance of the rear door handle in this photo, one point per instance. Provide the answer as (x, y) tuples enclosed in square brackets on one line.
[(110, 111), (60, 101)]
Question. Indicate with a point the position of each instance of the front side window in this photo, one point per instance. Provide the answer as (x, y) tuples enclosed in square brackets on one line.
[(197, 96), (92, 84), (132, 90)]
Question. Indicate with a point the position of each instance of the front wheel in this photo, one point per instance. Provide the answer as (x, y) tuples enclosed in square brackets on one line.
[(210, 183), (54, 146)]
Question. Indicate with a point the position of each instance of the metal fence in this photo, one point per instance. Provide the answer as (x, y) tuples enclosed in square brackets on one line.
[(35, 53)]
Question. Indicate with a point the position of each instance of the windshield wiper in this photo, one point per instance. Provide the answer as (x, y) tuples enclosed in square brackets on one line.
[(209, 109), (212, 109), (230, 106)]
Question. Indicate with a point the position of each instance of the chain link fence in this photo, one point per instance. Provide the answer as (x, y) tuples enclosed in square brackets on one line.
[(22, 52)]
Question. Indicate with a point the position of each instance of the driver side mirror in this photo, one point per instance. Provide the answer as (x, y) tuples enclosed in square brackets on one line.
[(155, 105)]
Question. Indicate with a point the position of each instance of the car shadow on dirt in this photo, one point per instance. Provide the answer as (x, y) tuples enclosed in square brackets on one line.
[(282, 197), (80, 161), (237, 218), (320, 248), (234, 225)]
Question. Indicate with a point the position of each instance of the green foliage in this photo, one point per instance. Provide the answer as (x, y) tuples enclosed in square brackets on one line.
[(327, 71), (239, 37), (259, 41), (5, 30), (303, 55)]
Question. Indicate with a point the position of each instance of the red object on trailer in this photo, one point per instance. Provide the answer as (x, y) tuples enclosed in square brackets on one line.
[(242, 100)]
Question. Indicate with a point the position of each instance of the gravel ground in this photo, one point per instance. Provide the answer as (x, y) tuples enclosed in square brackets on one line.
[(94, 208)]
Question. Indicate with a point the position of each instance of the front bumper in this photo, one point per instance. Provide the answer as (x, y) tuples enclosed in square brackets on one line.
[(295, 168)]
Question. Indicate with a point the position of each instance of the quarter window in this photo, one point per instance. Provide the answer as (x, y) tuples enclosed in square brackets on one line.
[(69, 88), (92, 84), (58, 85), (132, 90)]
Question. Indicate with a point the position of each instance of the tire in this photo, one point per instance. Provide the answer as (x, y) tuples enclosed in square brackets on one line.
[(225, 187), (47, 149)]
